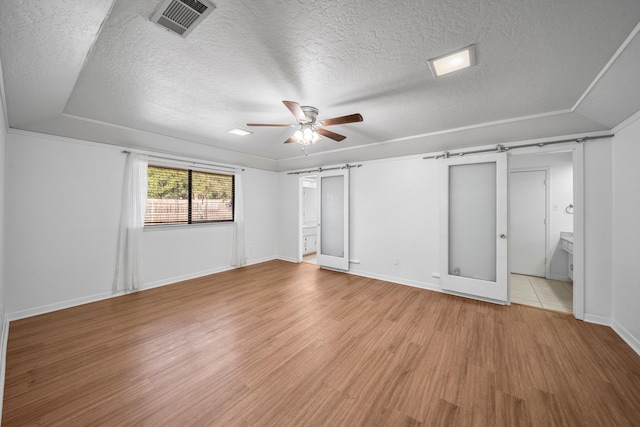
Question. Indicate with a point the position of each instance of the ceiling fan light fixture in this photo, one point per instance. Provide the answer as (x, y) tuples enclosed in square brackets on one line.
[(309, 131), (454, 61), (306, 135)]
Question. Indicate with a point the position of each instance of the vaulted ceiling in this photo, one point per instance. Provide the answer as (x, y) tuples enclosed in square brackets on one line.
[(99, 70)]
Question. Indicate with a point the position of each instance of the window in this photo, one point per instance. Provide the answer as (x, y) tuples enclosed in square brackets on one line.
[(185, 196)]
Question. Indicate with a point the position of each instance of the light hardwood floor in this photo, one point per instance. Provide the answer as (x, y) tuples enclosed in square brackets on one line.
[(289, 344)]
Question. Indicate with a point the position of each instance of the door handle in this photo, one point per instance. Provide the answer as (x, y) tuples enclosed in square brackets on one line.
[(503, 236)]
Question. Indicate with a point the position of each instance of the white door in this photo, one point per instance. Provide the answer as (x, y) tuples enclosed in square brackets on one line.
[(333, 227), (527, 222), (473, 248)]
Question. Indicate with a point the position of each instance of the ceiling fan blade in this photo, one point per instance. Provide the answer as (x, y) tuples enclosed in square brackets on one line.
[(335, 136), (351, 118), (291, 139), (270, 125), (295, 109)]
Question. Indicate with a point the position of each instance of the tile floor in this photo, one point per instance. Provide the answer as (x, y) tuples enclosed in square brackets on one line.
[(541, 292), (311, 258)]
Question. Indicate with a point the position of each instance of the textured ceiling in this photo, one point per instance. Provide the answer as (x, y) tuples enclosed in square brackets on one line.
[(100, 70)]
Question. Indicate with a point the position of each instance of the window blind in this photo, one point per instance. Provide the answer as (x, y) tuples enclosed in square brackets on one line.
[(185, 196)]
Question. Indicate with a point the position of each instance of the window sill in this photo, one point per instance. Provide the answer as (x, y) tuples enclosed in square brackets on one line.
[(187, 226)]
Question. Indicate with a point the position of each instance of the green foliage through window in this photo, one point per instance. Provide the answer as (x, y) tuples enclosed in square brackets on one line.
[(184, 196)]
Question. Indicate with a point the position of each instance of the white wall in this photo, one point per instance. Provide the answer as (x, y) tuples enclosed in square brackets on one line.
[(289, 217), (3, 166), (261, 208), (395, 213), (4, 327), (626, 234), (561, 195), (65, 201), (176, 254)]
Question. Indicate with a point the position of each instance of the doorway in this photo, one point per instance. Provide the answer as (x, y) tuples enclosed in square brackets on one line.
[(309, 220), (540, 195), (473, 246), (333, 212), (565, 242), (324, 219)]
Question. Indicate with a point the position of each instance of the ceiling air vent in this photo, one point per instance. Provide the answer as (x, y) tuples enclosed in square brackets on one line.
[(181, 16)]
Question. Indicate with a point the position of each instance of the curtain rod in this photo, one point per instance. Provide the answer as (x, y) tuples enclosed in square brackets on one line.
[(191, 162), (347, 166), (502, 148)]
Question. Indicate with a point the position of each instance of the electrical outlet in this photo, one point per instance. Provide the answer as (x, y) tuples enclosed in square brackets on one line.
[(396, 261)]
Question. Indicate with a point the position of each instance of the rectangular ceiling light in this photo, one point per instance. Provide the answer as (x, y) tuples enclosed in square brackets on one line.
[(454, 61), (239, 132)]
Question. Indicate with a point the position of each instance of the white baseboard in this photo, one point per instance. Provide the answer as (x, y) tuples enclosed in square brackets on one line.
[(261, 260), (183, 277), (30, 312), (626, 336), (416, 284), (190, 276), (4, 337), (633, 342), (598, 320), (43, 309), (590, 318), (398, 280)]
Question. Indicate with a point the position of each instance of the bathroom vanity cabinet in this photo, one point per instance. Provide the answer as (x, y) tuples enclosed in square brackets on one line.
[(566, 242), (310, 239)]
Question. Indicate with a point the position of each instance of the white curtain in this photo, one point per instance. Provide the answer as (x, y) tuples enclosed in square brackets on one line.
[(128, 274), (238, 256)]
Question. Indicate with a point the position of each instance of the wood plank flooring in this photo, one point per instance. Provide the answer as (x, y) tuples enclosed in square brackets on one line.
[(281, 344)]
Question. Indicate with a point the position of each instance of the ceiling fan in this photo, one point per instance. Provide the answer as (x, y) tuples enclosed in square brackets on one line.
[(309, 130)]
